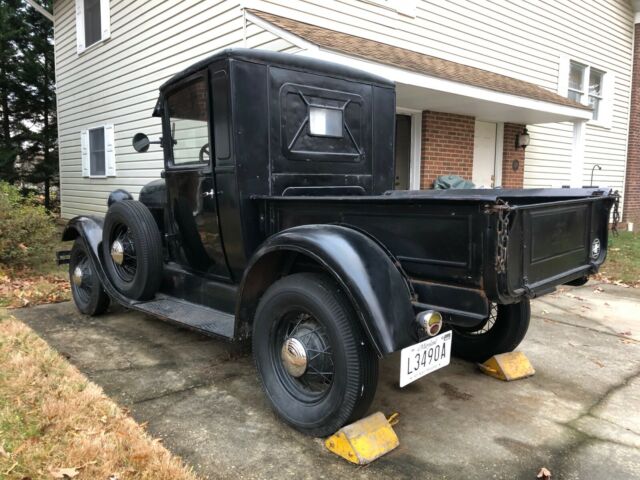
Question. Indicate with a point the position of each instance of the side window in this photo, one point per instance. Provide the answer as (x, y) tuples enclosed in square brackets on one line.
[(98, 152), (221, 118), (187, 109), (92, 22)]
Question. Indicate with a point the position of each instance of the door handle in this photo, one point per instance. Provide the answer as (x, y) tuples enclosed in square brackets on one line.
[(210, 194)]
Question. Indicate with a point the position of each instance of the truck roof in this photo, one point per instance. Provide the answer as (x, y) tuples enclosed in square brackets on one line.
[(286, 60)]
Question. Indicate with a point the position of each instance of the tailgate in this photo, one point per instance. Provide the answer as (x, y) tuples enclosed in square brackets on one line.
[(549, 244)]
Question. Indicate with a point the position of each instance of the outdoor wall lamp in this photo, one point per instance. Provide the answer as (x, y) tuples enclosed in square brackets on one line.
[(523, 139)]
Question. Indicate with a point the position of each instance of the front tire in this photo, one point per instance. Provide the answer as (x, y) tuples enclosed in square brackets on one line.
[(86, 288), (313, 359), (501, 332), (132, 250)]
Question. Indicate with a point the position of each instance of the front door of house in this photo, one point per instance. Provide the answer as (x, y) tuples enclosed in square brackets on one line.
[(402, 152), (484, 154)]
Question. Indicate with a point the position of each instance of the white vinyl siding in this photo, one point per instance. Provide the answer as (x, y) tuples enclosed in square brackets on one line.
[(117, 84), (151, 40)]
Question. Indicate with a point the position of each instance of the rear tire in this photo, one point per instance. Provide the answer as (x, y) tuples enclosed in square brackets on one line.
[(139, 273), (310, 309), (500, 333), (86, 288)]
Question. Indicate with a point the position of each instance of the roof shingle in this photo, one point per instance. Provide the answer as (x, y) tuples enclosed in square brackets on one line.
[(414, 61)]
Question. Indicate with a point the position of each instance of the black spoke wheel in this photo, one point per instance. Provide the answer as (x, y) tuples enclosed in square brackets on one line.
[(313, 359), (126, 267), (300, 326), (132, 250), (86, 289), (501, 332)]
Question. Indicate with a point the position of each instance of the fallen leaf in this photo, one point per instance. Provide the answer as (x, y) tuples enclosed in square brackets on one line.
[(63, 473), (600, 364), (544, 474)]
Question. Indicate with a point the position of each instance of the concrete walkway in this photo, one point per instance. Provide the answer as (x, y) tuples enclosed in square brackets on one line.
[(579, 416)]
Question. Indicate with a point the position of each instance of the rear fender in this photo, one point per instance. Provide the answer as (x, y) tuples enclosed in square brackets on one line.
[(376, 288)]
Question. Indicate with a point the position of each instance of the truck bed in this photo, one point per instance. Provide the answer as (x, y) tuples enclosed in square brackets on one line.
[(463, 249)]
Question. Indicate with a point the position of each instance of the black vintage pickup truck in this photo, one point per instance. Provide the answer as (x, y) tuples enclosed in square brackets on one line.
[(275, 219)]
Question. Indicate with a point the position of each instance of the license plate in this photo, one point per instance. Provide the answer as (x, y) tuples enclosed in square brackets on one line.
[(425, 357)]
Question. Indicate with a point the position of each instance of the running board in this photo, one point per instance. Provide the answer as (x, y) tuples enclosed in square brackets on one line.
[(204, 319)]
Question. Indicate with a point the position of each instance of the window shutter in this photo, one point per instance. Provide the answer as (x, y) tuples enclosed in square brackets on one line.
[(563, 76), (80, 25), (105, 20), (110, 150), (84, 152)]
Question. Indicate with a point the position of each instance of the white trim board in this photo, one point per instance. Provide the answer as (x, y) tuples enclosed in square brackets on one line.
[(415, 163)]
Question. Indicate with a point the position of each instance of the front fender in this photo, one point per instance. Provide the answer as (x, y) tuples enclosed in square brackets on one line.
[(89, 228), (375, 286)]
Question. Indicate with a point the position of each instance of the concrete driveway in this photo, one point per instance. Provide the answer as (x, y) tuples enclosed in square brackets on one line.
[(579, 416)]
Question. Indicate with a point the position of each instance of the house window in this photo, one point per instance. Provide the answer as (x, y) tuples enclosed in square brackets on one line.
[(589, 86), (98, 152), (92, 22)]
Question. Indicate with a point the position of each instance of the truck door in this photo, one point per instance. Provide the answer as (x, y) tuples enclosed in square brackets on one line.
[(189, 177)]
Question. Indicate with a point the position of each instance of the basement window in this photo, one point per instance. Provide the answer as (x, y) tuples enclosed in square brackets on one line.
[(92, 23)]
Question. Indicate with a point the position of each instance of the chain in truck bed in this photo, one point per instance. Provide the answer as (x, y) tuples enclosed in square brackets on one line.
[(502, 235)]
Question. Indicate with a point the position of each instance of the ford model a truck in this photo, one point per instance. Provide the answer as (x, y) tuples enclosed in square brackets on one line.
[(275, 219)]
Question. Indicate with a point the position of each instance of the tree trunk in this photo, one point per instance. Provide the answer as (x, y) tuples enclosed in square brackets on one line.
[(47, 193)]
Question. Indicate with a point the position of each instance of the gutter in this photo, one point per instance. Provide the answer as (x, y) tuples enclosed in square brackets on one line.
[(40, 9)]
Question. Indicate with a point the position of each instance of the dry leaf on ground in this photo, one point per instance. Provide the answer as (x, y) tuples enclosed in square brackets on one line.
[(544, 474), (64, 472)]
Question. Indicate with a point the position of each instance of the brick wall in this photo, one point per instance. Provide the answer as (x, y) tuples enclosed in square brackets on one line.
[(447, 146), (447, 149), (632, 181), (511, 178)]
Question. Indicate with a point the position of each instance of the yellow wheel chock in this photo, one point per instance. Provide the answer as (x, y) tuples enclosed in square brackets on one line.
[(365, 440), (508, 366)]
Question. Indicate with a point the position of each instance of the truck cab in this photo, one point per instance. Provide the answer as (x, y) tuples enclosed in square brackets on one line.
[(276, 220)]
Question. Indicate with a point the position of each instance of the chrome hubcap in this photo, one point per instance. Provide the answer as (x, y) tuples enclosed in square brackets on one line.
[(294, 357), (77, 276), (117, 252)]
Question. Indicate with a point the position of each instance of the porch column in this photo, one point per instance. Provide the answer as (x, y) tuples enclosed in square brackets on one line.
[(577, 156)]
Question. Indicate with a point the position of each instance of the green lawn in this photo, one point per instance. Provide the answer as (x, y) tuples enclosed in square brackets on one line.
[(623, 259)]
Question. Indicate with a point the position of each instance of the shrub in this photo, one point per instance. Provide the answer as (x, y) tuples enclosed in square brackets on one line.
[(27, 231)]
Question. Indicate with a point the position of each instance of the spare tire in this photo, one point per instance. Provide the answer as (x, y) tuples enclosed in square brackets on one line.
[(132, 250)]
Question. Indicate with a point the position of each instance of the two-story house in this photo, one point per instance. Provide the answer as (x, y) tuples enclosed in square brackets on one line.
[(531, 93)]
